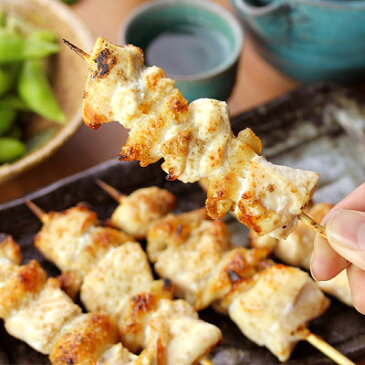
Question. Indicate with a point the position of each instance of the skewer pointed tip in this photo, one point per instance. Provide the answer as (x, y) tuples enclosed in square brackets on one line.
[(110, 190), (37, 211), (78, 50)]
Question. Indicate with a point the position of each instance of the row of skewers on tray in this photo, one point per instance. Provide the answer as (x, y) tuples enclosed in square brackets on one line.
[(198, 264)]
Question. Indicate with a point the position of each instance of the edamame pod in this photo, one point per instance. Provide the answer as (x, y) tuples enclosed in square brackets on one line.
[(35, 90), (7, 118), (10, 149), (17, 47), (13, 102), (8, 75), (46, 35)]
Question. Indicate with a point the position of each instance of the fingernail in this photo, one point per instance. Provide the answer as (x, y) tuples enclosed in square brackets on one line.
[(313, 265), (347, 228)]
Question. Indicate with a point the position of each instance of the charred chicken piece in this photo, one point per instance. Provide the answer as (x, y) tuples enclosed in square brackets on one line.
[(74, 242), (297, 249), (122, 284), (195, 141), (137, 211), (197, 256), (36, 311)]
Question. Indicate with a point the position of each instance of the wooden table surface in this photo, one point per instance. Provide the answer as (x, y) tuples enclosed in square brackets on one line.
[(257, 83)]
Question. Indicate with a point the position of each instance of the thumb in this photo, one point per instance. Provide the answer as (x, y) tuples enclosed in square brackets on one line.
[(345, 231)]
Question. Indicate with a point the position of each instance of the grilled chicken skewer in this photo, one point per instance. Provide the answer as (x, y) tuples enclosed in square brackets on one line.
[(36, 311), (195, 141), (118, 280), (297, 249), (197, 256), (75, 242), (137, 211)]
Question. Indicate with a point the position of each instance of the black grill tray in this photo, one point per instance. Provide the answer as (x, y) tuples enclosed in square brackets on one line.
[(341, 326)]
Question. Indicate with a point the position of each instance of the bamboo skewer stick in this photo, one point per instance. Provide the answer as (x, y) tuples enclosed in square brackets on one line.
[(37, 211), (323, 346), (78, 50), (110, 190), (311, 223)]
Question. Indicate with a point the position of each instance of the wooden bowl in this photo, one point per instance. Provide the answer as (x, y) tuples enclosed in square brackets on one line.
[(68, 77)]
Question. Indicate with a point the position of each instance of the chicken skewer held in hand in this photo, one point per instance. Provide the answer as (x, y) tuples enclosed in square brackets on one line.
[(137, 211), (195, 141), (119, 281), (64, 333), (197, 256), (297, 250)]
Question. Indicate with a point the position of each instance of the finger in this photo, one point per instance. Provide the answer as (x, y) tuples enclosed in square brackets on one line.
[(326, 263), (356, 278), (345, 231)]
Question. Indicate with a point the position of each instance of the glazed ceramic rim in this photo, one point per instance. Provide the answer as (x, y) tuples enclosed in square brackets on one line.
[(214, 8), (261, 10), (10, 170)]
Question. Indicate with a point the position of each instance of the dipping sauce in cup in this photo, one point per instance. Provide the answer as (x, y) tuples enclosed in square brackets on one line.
[(198, 43)]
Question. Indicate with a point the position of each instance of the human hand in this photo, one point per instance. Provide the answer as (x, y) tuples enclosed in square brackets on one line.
[(345, 248)]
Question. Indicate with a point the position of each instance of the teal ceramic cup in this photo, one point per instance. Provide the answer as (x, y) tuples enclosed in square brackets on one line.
[(197, 42), (309, 40)]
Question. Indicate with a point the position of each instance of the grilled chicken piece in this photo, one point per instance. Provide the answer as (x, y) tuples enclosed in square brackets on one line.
[(144, 206), (122, 284), (208, 270), (74, 242), (84, 340), (297, 249), (197, 256), (116, 278), (294, 300), (38, 312), (195, 141)]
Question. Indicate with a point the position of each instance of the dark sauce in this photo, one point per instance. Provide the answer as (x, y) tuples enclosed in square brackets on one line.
[(187, 50)]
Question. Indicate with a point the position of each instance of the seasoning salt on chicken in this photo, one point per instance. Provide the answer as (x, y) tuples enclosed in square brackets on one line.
[(195, 141)]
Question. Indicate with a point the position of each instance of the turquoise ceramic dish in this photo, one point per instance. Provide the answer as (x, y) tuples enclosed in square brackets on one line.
[(309, 40), (210, 67)]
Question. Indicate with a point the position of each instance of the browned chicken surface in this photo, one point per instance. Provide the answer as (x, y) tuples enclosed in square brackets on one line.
[(74, 242), (122, 285), (197, 256), (36, 311), (116, 278), (297, 249), (195, 141), (137, 211)]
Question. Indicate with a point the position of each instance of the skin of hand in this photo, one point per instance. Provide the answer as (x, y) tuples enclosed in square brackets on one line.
[(345, 248)]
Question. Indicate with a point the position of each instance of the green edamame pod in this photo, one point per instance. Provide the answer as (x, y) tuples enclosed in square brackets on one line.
[(7, 117), (8, 76), (10, 149), (17, 47), (69, 1), (2, 19), (46, 35), (35, 90), (13, 102), (14, 132)]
